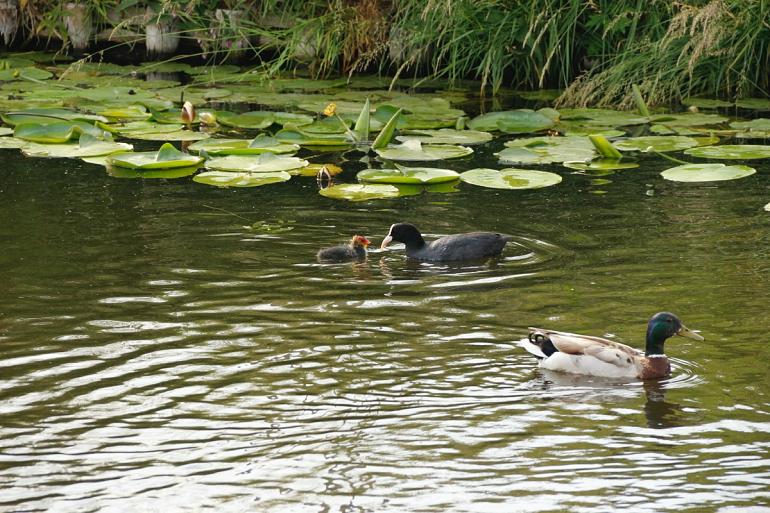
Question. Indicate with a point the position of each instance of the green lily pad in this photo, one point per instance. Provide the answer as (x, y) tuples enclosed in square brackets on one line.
[(261, 163), (601, 165), (446, 136), (241, 179), (706, 103), (706, 173), (141, 127), (314, 169), (22, 73), (754, 103), (260, 144), (731, 151), (408, 175), (755, 124), (167, 157), (688, 119), (256, 119), (547, 150), (170, 135), (285, 118), (360, 192), (124, 172), (56, 132), (510, 178), (129, 113), (12, 143), (87, 146), (657, 143), (47, 115), (171, 116), (414, 150), (521, 121), (602, 117), (331, 125), (540, 95), (4, 130), (294, 135)]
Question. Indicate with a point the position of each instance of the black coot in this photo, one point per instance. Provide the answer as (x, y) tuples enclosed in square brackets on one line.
[(462, 246), (355, 250)]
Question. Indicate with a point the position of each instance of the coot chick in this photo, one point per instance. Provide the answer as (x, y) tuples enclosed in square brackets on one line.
[(462, 246), (355, 250)]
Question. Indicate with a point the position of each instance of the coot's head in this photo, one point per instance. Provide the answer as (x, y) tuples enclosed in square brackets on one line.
[(359, 241), (403, 232)]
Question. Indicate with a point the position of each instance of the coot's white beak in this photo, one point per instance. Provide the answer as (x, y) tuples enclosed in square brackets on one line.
[(387, 240)]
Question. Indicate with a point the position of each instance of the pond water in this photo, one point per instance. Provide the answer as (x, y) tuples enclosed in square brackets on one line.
[(172, 346)]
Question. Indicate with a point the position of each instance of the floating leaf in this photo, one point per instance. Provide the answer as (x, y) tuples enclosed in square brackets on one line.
[(731, 151), (171, 116), (413, 150), (706, 103), (753, 103), (245, 179), (706, 173), (25, 73), (602, 117), (4, 130), (56, 132), (360, 192), (260, 144), (313, 170), (755, 124), (540, 95), (262, 163), (12, 143), (510, 178), (657, 143), (547, 150), (688, 119), (294, 135), (174, 135), (166, 157), (256, 119), (130, 113), (88, 146), (521, 121), (46, 115), (601, 165), (124, 172), (408, 175), (446, 136)]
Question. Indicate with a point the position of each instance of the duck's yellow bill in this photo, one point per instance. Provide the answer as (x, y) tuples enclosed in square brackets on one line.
[(684, 331)]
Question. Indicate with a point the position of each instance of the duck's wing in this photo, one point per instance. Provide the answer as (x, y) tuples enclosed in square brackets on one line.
[(605, 350)]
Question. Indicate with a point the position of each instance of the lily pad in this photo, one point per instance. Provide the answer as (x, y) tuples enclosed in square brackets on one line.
[(256, 119), (124, 172), (360, 192), (22, 73), (129, 113), (167, 157), (262, 163), (603, 117), (260, 144), (294, 135), (547, 150), (47, 115), (731, 151), (313, 170), (244, 179), (601, 165), (171, 135), (657, 143), (521, 121), (87, 146), (706, 103), (755, 124), (706, 173), (408, 175), (761, 104), (510, 178), (56, 132), (413, 150), (12, 143), (4, 130), (688, 119), (446, 136)]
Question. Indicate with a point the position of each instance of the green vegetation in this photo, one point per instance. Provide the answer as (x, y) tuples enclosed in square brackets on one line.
[(593, 50)]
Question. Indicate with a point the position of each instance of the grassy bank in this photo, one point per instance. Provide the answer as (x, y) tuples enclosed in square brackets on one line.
[(593, 49)]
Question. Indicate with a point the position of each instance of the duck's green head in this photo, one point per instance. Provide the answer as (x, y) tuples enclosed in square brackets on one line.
[(662, 326)]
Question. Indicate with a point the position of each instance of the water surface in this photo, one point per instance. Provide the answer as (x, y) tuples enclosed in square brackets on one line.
[(159, 352)]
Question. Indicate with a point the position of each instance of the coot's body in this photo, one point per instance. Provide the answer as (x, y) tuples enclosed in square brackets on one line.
[(462, 246), (356, 250)]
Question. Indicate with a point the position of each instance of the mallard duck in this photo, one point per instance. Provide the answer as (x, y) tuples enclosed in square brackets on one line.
[(595, 356), (355, 250), (461, 246)]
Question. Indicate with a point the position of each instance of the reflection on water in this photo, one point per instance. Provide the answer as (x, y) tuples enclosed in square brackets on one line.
[(168, 345)]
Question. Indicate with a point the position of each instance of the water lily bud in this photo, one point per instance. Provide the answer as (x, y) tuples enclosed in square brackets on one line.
[(330, 109), (207, 118), (188, 112)]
